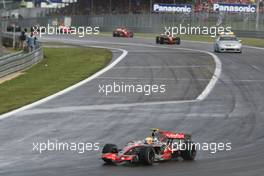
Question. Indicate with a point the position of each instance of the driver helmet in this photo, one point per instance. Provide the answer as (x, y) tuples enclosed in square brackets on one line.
[(149, 140)]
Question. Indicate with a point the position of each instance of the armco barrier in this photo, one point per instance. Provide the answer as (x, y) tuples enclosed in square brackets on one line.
[(19, 61)]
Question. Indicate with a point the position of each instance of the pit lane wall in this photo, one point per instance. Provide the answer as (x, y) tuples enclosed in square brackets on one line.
[(19, 61)]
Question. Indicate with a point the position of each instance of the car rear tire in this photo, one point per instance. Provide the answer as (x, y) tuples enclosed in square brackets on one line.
[(161, 40), (157, 40), (178, 41), (190, 152), (146, 155)]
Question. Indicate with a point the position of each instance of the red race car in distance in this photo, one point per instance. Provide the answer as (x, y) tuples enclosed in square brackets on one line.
[(168, 39), (64, 29), (122, 32), (160, 146)]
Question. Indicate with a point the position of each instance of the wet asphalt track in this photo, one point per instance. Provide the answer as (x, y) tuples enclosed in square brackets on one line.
[(233, 112)]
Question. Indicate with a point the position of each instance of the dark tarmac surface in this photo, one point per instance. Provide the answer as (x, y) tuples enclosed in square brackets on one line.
[(233, 112)]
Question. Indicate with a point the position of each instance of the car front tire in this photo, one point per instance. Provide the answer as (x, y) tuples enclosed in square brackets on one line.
[(216, 49), (109, 148), (147, 155)]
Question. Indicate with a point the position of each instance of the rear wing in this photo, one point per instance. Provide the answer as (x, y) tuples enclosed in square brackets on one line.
[(172, 135)]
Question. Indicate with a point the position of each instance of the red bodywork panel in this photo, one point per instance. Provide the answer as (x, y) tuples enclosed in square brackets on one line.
[(117, 159), (167, 154), (113, 157), (65, 29)]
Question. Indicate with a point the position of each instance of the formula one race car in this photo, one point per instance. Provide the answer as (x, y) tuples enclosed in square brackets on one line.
[(122, 32), (162, 145), (168, 39), (64, 29)]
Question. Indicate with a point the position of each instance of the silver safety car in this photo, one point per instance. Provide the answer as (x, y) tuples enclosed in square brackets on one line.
[(227, 42)]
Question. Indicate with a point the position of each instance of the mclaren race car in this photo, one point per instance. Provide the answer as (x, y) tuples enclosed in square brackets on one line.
[(160, 146), (122, 32), (168, 39), (227, 42)]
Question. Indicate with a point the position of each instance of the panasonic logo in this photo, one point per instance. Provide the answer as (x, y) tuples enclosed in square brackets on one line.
[(183, 8), (235, 8)]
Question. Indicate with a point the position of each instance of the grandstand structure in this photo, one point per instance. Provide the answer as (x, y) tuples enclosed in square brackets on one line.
[(93, 7)]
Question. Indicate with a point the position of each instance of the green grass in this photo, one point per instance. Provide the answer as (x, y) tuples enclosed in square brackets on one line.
[(60, 68), (203, 38), (258, 42)]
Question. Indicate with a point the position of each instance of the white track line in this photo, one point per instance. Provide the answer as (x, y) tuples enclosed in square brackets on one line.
[(97, 74), (209, 87), (99, 107), (148, 79), (201, 97), (254, 47), (160, 67), (215, 77)]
